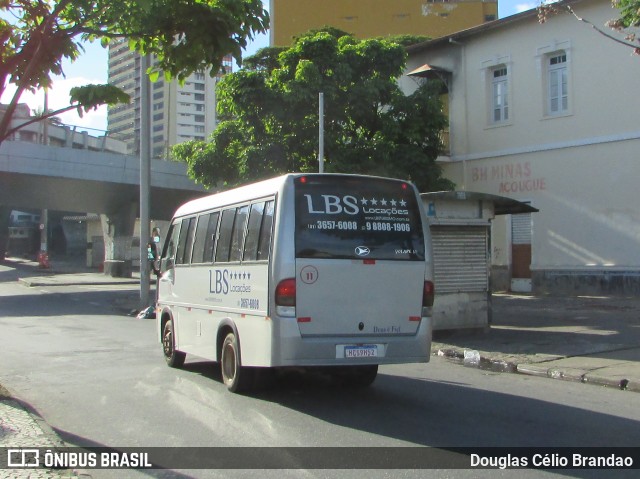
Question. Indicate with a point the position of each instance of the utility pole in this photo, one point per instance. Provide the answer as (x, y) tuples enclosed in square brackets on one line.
[(43, 258), (145, 179), (321, 132)]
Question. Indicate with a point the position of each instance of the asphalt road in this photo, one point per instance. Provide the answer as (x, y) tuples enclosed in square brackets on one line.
[(99, 379)]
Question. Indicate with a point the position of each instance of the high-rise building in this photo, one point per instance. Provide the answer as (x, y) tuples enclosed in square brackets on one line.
[(376, 18), (178, 112)]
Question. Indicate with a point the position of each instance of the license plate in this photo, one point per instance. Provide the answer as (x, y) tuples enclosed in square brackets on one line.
[(370, 351)]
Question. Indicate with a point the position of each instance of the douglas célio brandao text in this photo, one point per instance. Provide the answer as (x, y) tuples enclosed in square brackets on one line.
[(551, 460)]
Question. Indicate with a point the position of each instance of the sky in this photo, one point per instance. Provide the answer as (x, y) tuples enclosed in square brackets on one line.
[(91, 67)]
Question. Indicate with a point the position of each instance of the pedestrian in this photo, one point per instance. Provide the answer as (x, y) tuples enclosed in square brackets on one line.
[(153, 247)]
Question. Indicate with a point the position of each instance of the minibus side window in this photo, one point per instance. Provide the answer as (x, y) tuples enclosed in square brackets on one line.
[(205, 238), (185, 241), (253, 232), (169, 251), (237, 236), (210, 242), (264, 244), (224, 240), (198, 242)]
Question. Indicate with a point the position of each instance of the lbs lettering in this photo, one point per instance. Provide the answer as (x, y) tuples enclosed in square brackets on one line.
[(332, 205), (219, 282)]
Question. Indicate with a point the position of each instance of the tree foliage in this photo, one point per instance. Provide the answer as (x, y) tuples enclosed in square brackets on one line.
[(271, 120), (629, 18), (185, 36)]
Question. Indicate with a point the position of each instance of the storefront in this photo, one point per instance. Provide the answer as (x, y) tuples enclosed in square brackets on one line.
[(460, 223)]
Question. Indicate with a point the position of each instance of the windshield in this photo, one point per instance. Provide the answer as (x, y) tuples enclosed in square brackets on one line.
[(353, 217)]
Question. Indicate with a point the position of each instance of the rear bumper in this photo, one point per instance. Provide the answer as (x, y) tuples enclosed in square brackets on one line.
[(290, 349)]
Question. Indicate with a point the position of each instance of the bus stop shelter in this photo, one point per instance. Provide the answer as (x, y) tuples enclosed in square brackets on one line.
[(460, 224)]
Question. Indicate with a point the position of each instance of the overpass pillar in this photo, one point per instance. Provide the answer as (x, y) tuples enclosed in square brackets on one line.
[(118, 228), (5, 217)]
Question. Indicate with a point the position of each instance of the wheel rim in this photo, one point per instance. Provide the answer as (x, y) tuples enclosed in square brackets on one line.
[(167, 342), (228, 362)]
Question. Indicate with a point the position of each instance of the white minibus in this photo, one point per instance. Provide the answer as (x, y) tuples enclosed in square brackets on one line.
[(302, 270)]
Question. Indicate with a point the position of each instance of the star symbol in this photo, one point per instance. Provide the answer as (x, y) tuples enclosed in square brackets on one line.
[(403, 203), (374, 202), (364, 201), (394, 202), (383, 202)]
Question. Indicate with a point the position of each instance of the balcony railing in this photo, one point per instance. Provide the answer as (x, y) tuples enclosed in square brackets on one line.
[(446, 147)]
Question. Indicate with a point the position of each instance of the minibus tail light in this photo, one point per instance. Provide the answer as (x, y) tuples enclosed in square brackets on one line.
[(286, 292), (428, 294)]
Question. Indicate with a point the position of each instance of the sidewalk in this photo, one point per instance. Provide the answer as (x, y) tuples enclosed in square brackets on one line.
[(65, 272), (22, 428), (593, 340)]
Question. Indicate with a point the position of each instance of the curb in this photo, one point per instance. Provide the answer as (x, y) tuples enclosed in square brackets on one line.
[(579, 376), (37, 282), (14, 408), (498, 365)]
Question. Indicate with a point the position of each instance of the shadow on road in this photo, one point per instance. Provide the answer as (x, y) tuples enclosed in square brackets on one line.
[(445, 415)]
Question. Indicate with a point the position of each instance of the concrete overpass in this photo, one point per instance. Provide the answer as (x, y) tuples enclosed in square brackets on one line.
[(80, 180), (69, 179)]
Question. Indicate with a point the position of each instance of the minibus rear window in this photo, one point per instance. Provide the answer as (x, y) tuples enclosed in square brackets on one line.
[(357, 218)]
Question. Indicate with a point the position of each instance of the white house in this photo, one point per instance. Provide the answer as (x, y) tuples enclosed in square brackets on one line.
[(547, 114)]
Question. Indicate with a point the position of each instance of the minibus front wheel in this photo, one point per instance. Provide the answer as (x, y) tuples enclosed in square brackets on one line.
[(236, 377), (174, 358)]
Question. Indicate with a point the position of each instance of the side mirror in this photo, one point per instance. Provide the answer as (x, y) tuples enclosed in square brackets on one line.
[(166, 264)]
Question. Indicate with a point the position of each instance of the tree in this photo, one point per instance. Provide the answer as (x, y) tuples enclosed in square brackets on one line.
[(184, 35), (270, 115), (630, 17)]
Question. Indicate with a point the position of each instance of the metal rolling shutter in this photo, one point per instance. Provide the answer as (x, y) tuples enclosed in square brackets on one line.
[(460, 258)]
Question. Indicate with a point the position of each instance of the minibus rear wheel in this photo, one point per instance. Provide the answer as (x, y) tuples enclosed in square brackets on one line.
[(174, 359), (236, 377)]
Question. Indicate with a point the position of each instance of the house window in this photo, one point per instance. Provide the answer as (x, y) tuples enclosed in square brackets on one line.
[(500, 95), (558, 88)]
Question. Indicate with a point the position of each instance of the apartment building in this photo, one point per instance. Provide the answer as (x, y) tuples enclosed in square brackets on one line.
[(178, 112), (546, 114), (375, 18), (54, 133)]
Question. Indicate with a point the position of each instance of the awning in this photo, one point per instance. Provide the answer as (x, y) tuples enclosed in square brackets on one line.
[(429, 71), (502, 204)]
